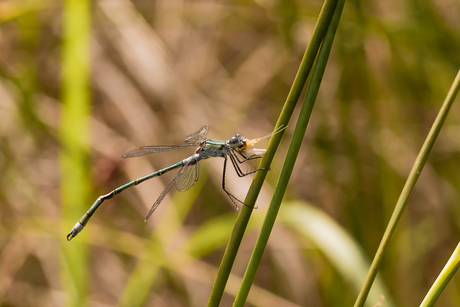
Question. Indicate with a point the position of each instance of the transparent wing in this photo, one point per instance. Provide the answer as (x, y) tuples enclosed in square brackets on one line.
[(166, 191), (145, 150), (188, 178), (192, 140), (197, 137)]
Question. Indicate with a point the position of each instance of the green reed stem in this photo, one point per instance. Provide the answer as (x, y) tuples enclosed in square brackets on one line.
[(286, 113), (291, 156), (408, 187)]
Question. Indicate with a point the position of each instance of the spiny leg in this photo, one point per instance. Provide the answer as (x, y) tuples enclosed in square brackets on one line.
[(238, 170), (230, 195), (245, 158), (252, 157)]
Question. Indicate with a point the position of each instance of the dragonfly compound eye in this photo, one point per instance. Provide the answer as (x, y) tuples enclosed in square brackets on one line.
[(234, 142)]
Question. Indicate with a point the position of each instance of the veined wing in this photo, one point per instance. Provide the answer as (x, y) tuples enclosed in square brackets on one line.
[(197, 137), (188, 178), (192, 140), (177, 179), (163, 194), (145, 150)]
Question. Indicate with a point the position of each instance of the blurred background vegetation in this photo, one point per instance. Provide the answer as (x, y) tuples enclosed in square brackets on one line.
[(159, 70)]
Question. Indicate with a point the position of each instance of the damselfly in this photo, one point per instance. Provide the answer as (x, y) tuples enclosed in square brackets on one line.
[(238, 149)]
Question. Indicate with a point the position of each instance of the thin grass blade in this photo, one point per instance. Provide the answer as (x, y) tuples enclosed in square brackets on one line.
[(407, 190)]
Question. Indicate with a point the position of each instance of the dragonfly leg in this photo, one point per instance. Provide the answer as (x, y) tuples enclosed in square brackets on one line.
[(232, 197), (238, 170), (245, 158)]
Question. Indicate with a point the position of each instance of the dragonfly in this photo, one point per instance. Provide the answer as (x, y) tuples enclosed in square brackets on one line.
[(237, 149)]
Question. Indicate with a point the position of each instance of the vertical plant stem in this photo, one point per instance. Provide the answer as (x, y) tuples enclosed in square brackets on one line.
[(443, 279), (74, 138), (408, 187), (291, 156), (286, 113)]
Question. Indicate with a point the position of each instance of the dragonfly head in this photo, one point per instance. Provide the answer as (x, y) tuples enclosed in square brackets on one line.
[(237, 142), (240, 142)]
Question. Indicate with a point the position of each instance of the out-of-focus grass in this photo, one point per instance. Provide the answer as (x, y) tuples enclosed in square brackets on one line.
[(74, 143), (161, 70), (11, 9), (337, 246), (144, 274)]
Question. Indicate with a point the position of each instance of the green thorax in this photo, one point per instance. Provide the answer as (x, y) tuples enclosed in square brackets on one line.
[(214, 144)]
